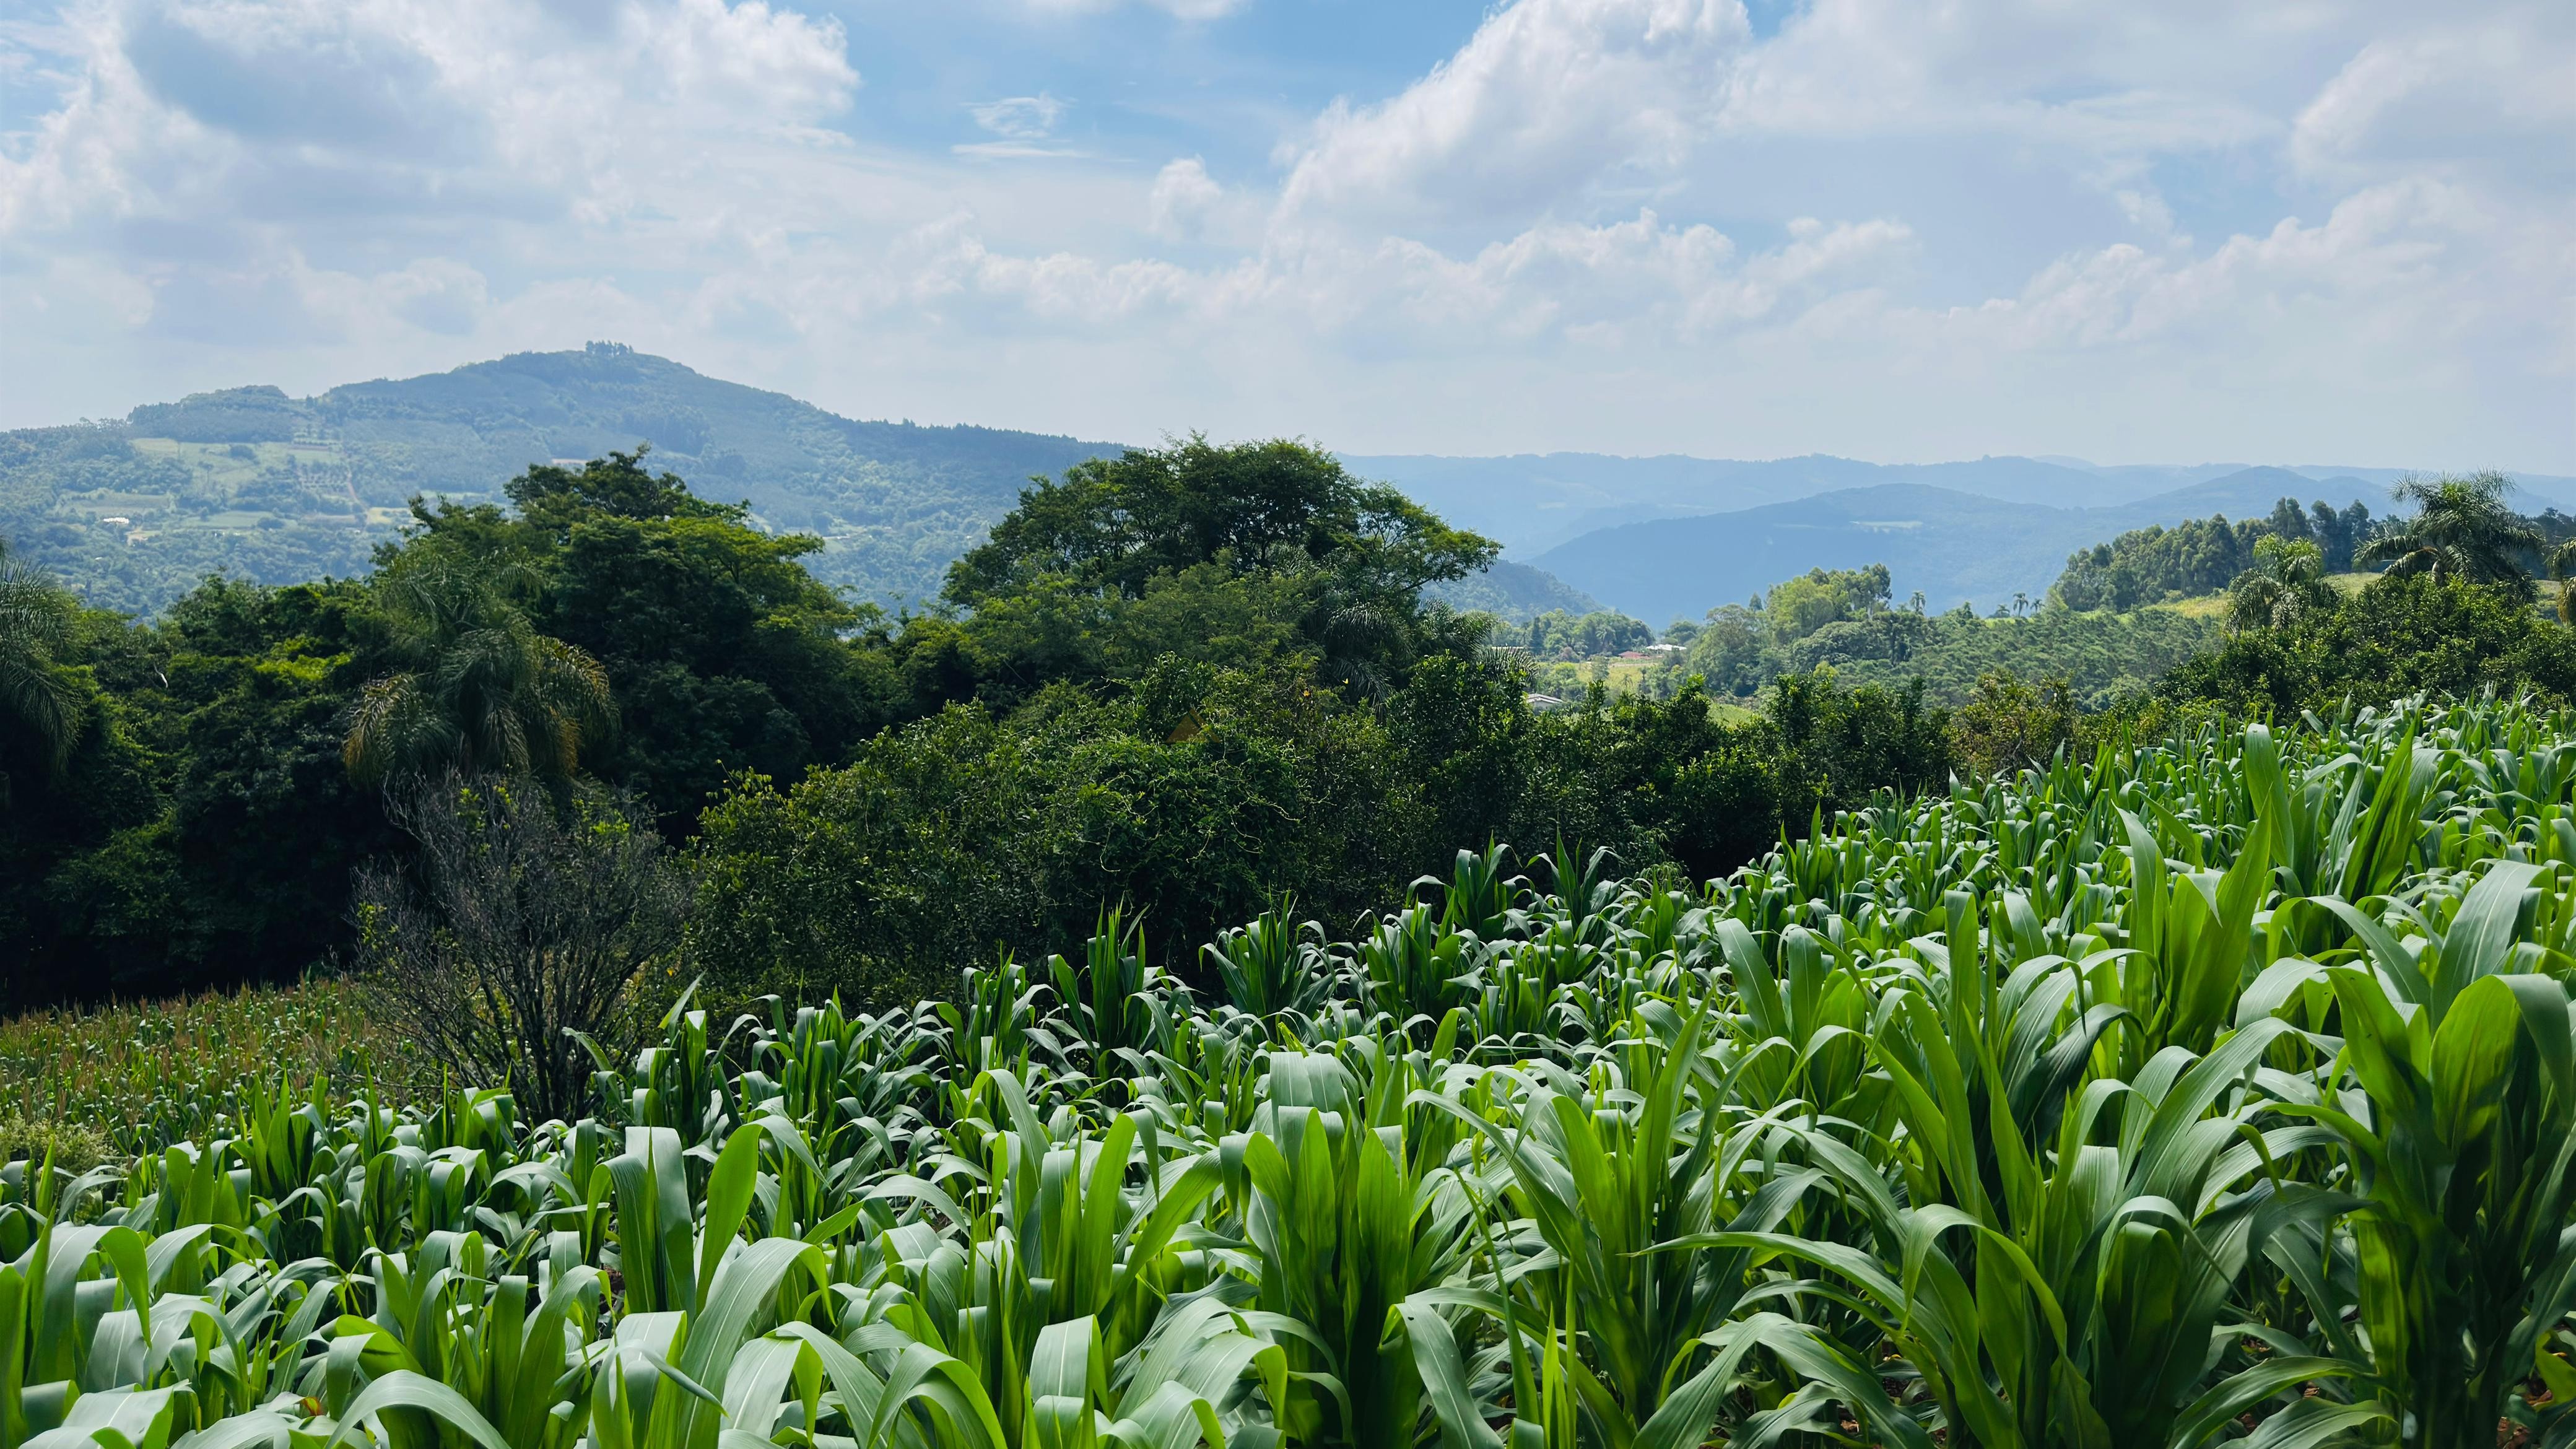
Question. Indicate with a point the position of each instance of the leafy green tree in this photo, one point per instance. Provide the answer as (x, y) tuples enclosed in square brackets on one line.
[(2461, 529), (204, 828), (1183, 680), (2286, 584), (40, 707), (2149, 565), (2100, 656), (726, 653), (1189, 799), (1560, 635), (556, 500), (2342, 535), (1733, 650), (1799, 607), (483, 691), (2406, 632), (2014, 723), (1055, 628), (2562, 567), (1280, 504), (1356, 554), (1838, 744), (2200, 556)]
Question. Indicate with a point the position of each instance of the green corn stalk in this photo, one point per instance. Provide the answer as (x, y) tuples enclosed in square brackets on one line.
[(1416, 971), (1107, 996), (1274, 966), (1350, 1214), (2466, 1165), (2117, 1103)]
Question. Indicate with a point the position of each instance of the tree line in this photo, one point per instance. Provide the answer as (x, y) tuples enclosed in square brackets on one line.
[(1181, 681), (1183, 678), (2205, 555)]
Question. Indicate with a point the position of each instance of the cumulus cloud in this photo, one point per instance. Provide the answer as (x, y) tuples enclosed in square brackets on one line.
[(278, 111), (1187, 204), (1547, 98), (1625, 224), (318, 176), (2465, 96)]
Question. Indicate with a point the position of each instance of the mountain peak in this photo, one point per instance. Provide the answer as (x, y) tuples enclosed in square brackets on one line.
[(254, 482)]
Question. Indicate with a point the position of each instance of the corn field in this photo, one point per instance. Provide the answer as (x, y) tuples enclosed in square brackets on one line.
[(146, 1074), (2219, 1092)]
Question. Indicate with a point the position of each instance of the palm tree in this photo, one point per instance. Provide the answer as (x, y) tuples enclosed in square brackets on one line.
[(485, 692), (2287, 583), (2461, 530), (2562, 567), (35, 616)]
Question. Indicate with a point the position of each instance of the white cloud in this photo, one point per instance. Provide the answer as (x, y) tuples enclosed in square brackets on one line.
[(1024, 124), (2055, 225), (2464, 95), (1020, 118), (437, 295), (1544, 100), (277, 112), (1186, 201), (1178, 9)]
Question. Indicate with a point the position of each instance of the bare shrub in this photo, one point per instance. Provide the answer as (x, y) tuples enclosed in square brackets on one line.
[(522, 918)]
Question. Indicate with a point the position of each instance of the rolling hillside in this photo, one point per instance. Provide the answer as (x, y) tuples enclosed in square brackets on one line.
[(1535, 503), (278, 488), (1513, 591), (273, 488), (1951, 545)]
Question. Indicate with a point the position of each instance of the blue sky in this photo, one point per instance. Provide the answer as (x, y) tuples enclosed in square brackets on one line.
[(2315, 230)]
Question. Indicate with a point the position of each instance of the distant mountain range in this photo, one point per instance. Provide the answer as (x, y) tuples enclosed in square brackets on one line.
[(1949, 545), (274, 488), (1672, 537)]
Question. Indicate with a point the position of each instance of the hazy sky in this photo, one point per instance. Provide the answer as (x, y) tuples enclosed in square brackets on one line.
[(2281, 231)]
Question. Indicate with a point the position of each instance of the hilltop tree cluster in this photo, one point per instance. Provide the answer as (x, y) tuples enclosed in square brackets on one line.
[(2202, 555)]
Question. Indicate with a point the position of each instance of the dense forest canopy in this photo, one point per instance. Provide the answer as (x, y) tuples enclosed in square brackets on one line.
[(1182, 679), (2151, 565), (1561, 635)]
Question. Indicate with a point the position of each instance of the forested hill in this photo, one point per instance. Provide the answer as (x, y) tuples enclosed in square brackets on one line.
[(275, 489), (282, 489), (1951, 546)]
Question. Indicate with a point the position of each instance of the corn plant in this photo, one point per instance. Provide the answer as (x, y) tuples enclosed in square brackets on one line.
[(2208, 1091)]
